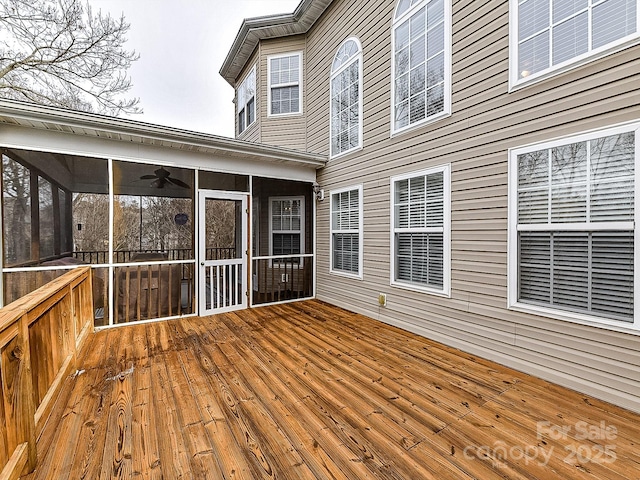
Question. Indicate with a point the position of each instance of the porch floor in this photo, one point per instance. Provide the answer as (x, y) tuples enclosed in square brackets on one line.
[(307, 390)]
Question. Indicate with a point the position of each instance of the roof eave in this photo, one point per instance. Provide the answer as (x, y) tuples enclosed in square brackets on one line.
[(255, 29), (58, 117)]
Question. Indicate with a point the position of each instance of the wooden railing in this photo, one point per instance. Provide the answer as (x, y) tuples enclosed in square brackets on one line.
[(148, 291), (124, 256), (282, 278), (40, 335)]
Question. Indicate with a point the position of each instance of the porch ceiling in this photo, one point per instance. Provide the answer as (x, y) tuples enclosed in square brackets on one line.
[(83, 124), (310, 391)]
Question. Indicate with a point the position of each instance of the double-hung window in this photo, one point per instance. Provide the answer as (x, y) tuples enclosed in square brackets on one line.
[(421, 66), (346, 231), (572, 227), (285, 84), (420, 234), (346, 98), (246, 101), (547, 35), (287, 225)]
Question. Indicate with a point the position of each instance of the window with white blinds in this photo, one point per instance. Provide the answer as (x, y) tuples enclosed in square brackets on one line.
[(346, 231), (421, 62), (575, 225), (285, 84), (554, 33), (421, 230), (346, 98)]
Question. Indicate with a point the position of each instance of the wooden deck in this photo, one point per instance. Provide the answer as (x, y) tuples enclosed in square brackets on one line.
[(307, 390)]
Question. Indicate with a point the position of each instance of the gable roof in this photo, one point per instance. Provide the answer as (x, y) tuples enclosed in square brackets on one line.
[(271, 26)]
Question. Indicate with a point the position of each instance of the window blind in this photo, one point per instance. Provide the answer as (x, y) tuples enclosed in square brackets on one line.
[(419, 230), (586, 266), (345, 231), (551, 32)]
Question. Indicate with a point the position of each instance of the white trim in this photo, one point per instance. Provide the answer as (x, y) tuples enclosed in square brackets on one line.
[(302, 225), (283, 257), (447, 17), (360, 232), (516, 83), (358, 57), (111, 269), (446, 232), (282, 302), (140, 322), (242, 197), (513, 228), (290, 84), (2, 253), (314, 234)]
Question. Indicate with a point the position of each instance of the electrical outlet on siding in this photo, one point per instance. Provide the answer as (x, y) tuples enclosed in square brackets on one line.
[(382, 299)]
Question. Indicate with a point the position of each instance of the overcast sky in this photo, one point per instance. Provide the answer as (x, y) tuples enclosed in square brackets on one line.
[(182, 45)]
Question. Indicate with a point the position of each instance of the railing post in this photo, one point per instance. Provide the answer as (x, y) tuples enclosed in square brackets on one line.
[(17, 392), (26, 403)]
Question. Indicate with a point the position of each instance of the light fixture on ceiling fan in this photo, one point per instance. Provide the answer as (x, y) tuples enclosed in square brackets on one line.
[(161, 177)]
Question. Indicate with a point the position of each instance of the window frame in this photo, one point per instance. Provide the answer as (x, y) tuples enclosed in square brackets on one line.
[(302, 223), (359, 232), (446, 232), (399, 20), (358, 57), (516, 83), (244, 110), (299, 83), (513, 247)]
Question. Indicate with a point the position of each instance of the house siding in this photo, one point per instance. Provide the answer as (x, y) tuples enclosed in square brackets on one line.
[(287, 130), (486, 121)]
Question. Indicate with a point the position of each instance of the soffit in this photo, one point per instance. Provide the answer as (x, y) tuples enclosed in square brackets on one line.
[(58, 120)]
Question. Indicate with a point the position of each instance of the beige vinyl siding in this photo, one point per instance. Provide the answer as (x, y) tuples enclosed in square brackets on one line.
[(288, 130), (252, 132), (486, 121)]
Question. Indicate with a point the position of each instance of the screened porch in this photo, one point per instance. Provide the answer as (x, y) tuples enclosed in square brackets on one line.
[(162, 240)]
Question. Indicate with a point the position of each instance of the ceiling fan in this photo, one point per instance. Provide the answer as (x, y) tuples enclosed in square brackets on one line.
[(161, 177)]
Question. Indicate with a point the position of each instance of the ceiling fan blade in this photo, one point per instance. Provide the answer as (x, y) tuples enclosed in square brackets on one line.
[(180, 183), (147, 177)]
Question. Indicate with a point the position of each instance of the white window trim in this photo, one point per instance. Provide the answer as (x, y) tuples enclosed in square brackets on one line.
[(512, 232), (359, 58), (447, 69), (516, 83), (302, 215), (244, 107), (291, 84), (360, 232), (446, 237)]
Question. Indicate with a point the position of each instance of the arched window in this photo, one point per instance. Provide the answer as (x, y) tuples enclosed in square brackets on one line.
[(346, 98), (421, 62)]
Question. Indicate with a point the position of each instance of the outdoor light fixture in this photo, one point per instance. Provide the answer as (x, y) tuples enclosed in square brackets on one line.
[(319, 192)]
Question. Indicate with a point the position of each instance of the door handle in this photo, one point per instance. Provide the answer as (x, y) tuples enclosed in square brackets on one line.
[(202, 263)]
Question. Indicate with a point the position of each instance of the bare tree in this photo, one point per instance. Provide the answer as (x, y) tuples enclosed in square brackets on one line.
[(58, 52)]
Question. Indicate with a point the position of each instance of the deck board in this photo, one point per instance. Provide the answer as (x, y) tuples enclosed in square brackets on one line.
[(310, 391)]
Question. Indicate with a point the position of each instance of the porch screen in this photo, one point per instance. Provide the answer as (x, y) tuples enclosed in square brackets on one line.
[(576, 226)]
